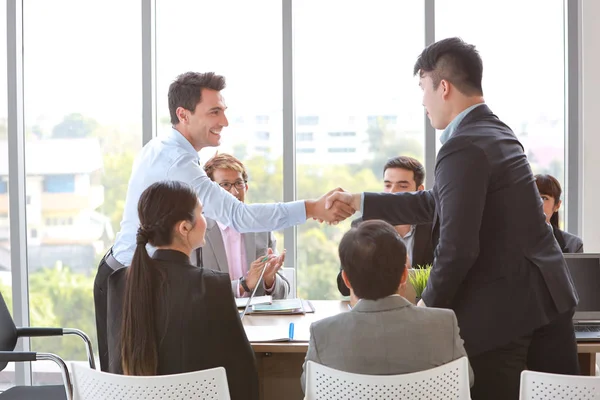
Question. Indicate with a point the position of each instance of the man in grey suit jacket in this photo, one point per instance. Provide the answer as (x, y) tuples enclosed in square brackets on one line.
[(242, 256), (257, 245), (384, 334), (497, 264)]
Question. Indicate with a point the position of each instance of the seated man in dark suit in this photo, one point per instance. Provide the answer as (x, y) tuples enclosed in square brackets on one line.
[(383, 334), (404, 174), (241, 255)]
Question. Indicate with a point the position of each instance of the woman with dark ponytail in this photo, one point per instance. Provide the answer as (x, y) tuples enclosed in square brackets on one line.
[(166, 316), (550, 191)]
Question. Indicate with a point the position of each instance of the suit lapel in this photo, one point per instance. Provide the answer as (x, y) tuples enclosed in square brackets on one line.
[(215, 241), (419, 245), (423, 246), (250, 246)]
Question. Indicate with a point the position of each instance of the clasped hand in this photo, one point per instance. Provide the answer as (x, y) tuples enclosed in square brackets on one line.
[(334, 206)]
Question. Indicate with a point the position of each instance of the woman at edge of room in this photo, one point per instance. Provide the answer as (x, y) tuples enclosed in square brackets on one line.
[(167, 316), (550, 191)]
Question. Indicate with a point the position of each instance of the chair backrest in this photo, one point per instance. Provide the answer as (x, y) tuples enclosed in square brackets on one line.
[(90, 384), (448, 381), (290, 275), (8, 331), (541, 385)]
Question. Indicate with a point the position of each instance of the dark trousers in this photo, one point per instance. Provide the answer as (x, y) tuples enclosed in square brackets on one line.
[(551, 348), (100, 306)]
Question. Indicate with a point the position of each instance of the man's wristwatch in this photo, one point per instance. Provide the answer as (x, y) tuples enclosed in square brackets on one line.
[(242, 281)]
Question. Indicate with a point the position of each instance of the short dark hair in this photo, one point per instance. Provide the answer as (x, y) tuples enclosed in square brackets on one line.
[(186, 91), (549, 186), (455, 61), (409, 164), (374, 258)]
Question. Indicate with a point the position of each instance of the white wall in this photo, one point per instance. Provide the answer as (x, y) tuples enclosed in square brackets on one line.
[(591, 124)]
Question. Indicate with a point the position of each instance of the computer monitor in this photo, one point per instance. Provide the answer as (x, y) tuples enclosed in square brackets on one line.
[(585, 271)]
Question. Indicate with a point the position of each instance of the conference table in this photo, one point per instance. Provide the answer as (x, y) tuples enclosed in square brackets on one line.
[(280, 363)]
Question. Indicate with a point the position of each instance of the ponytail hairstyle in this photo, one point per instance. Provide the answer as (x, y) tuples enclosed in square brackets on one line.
[(549, 186), (161, 206)]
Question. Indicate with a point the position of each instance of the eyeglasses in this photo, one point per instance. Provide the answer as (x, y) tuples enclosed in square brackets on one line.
[(239, 185)]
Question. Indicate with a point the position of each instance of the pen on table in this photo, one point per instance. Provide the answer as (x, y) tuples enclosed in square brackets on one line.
[(349, 307), (291, 334)]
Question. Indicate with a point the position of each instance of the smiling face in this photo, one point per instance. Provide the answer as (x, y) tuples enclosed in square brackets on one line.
[(198, 231), (202, 128), (232, 181), (188, 236), (550, 206)]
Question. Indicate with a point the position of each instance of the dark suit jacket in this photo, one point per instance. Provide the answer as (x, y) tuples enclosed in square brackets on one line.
[(568, 243), (197, 324), (422, 251), (497, 264)]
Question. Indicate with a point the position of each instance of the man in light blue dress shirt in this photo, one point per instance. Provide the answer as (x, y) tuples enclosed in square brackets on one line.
[(197, 113)]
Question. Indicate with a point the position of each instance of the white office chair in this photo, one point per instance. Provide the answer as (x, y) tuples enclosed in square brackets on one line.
[(541, 385), (449, 381), (210, 384), (290, 275)]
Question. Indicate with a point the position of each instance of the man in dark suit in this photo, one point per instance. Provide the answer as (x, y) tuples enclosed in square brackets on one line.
[(497, 264), (404, 174)]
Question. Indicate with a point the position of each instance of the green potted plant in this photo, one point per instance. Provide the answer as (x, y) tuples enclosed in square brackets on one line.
[(418, 279)]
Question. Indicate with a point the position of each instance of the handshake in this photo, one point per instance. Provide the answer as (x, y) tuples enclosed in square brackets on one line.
[(334, 206)]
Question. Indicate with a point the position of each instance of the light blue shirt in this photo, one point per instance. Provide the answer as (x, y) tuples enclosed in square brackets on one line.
[(409, 242), (446, 134), (451, 128), (172, 157)]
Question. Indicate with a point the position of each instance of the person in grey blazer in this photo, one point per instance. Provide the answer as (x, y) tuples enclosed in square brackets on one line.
[(383, 334), (497, 263), (242, 256), (256, 246), (550, 192)]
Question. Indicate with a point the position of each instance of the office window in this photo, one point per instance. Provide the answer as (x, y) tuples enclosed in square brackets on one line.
[(262, 119), (308, 120), (7, 375), (304, 136), (82, 96), (376, 119), (523, 69), (342, 134), (332, 96), (306, 150), (262, 135), (59, 184), (341, 150), (254, 89)]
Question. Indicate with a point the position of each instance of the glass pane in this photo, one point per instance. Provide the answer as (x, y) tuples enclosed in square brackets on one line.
[(357, 104), (523, 69), (7, 376), (245, 48), (83, 128)]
